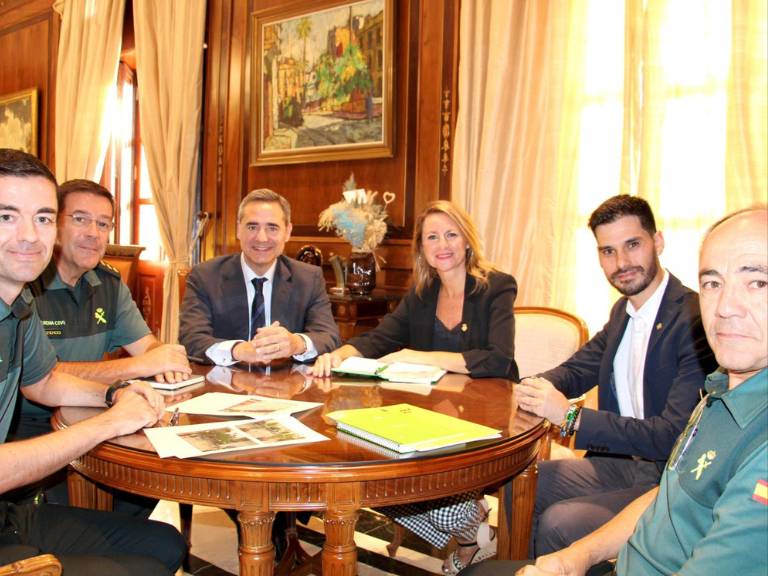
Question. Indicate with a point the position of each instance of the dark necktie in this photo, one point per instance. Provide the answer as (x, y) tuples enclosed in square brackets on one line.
[(257, 307)]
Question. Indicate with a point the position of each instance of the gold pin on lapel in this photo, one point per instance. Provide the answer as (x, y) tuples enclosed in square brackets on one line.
[(659, 326), (464, 327)]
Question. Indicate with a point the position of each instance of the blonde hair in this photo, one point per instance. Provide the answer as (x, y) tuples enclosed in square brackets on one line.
[(477, 266)]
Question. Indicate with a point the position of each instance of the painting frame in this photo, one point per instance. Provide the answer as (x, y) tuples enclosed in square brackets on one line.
[(21, 106), (292, 104)]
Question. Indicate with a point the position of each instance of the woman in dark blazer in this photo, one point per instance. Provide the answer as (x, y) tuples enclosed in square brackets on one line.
[(458, 315)]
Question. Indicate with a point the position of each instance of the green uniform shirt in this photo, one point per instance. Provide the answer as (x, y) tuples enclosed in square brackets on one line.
[(84, 322), (711, 512), (22, 344)]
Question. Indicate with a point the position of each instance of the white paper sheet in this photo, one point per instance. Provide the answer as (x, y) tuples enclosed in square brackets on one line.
[(217, 437), (224, 404)]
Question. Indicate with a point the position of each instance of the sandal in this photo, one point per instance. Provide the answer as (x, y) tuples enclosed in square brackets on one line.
[(486, 548)]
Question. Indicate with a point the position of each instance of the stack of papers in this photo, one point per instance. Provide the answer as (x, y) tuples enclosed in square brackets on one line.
[(214, 438), (268, 424), (406, 428), (394, 372), (224, 404)]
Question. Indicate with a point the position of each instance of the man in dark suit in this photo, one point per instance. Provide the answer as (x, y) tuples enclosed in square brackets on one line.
[(649, 362), (258, 305)]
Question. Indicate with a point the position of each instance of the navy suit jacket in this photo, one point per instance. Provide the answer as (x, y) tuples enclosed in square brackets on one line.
[(215, 305), (677, 361), (487, 344)]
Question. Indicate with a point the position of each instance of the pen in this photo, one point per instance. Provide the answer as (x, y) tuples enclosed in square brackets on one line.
[(174, 418)]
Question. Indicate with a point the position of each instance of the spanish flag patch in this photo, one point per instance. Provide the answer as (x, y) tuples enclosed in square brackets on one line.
[(761, 492)]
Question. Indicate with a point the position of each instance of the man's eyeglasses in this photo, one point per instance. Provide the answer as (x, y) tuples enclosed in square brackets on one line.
[(83, 221)]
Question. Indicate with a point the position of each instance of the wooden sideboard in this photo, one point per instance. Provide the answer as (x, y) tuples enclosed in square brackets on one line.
[(356, 314)]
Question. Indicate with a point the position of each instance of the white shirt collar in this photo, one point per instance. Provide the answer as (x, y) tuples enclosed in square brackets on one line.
[(249, 274), (650, 307)]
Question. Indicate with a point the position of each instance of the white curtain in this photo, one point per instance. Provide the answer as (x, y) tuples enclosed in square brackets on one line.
[(169, 67), (86, 72), (563, 103)]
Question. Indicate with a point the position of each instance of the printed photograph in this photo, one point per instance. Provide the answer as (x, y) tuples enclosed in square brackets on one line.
[(270, 431), (217, 439), (254, 406)]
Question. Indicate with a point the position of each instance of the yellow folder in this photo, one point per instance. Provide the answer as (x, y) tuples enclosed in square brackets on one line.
[(407, 428)]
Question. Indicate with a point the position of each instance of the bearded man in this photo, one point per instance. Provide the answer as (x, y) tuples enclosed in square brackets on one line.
[(649, 363)]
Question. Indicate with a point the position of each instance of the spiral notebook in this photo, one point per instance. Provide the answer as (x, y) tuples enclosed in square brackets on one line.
[(407, 428)]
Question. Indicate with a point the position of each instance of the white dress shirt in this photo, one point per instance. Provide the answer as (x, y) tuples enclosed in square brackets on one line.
[(629, 362), (221, 352)]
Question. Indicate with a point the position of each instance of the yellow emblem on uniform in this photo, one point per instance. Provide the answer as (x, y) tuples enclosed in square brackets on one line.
[(704, 462), (99, 315)]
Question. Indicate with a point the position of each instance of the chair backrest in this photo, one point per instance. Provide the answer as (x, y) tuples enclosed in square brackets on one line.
[(43, 565), (125, 258), (545, 338)]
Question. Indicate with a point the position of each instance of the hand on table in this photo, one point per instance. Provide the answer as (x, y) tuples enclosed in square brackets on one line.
[(167, 362), (152, 397), (130, 412), (323, 364), (539, 395)]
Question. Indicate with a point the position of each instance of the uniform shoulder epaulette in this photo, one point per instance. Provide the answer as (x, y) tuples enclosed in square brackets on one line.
[(107, 267)]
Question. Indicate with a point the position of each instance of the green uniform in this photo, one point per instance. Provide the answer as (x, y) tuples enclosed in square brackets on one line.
[(21, 343), (96, 316), (711, 513), (83, 322)]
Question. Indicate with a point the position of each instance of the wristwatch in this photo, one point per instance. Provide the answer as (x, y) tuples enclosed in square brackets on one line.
[(109, 397)]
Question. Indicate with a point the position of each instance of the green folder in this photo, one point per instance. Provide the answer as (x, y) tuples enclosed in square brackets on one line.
[(407, 428)]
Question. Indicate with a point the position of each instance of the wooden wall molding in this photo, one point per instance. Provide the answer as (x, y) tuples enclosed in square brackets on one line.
[(425, 65), (29, 40)]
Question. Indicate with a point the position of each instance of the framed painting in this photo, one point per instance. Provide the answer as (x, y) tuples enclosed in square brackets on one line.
[(321, 84), (18, 121)]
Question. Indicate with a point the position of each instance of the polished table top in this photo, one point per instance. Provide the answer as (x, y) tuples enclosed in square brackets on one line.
[(486, 401), (339, 475)]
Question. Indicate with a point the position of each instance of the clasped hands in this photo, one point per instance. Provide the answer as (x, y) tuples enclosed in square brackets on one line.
[(539, 395), (136, 406), (270, 343)]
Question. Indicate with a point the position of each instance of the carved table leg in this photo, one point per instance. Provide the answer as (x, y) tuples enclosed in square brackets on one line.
[(257, 555), (339, 551), (523, 500), (86, 494)]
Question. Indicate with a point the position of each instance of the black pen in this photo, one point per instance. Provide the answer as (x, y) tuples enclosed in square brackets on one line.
[(175, 417)]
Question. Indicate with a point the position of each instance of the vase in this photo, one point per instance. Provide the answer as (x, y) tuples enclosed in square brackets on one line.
[(361, 272)]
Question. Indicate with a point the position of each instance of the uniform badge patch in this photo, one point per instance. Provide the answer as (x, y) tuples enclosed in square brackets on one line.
[(704, 462), (100, 316), (761, 492)]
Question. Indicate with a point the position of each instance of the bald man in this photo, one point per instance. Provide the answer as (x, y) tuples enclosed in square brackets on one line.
[(710, 513)]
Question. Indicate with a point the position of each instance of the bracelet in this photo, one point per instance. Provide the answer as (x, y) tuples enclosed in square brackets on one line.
[(109, 396), (568, 427)]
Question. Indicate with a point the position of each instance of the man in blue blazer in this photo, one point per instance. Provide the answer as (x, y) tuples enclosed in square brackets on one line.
[(257, 305), (649, 362)]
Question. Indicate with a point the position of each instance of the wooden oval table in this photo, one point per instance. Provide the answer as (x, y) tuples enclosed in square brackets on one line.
[(338, 476)]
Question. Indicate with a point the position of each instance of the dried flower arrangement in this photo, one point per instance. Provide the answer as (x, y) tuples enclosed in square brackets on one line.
[(358, 218)]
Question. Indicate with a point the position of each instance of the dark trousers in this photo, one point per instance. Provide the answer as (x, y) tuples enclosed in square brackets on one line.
[(91, 542), (576, 496), (509, 567)]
